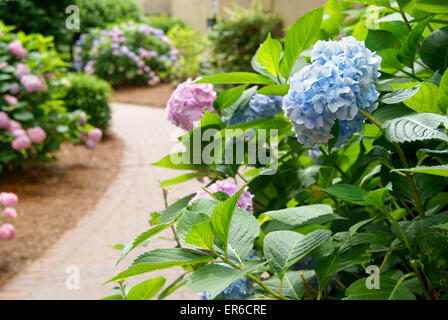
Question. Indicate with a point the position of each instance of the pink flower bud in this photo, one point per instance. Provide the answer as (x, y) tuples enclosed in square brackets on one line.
[(5, 121), (36, 134), (8, 199), (95, 135), (7, 232), (21, 143), (10, 213)]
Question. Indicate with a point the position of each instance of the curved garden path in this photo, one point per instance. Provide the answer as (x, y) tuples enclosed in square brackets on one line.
[(119, 216)]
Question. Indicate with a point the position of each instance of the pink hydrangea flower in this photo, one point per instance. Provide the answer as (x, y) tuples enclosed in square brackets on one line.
[(21, 143), (14, 125), (4, 64), (31, 83), (5, 121), (189, 102), (15, 88), (10, 213), (18, 133), (8, 199), (11, 100), (82, 118), (90, 144), (17, 49), (36, 134), (21, 70), (230, 188), (95, 135), (7, 232)]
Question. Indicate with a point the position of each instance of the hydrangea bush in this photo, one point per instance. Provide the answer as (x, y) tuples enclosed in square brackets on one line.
[(33, 118), (360, 106), (126, 53), (8, 215)]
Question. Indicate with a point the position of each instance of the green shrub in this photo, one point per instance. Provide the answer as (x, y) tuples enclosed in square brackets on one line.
[(163, 22), (37, 16), (99, 13), (89, 94), (190, 45), (236, 40)]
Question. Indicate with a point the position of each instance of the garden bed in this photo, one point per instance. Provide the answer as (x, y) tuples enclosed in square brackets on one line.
[(50, 198), (156, 96)]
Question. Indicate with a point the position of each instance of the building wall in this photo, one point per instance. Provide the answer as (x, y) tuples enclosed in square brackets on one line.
[(196, 12)]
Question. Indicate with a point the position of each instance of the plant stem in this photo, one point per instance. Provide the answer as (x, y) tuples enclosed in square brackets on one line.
[(420, 279), (305, 285), (404, 162), (165, 201), (334, 165)]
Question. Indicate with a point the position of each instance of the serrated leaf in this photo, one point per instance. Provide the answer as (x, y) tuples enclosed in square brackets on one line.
[(419, 126), (299, 38), (434, 50), (442, 100), (441, 170), (269, 55), (173, 211), (381, 3), (293, 286), (214, 278), (229, 97), (146, 289), (162, 259), (180, 179), (435, 6), (241, 102), (285, 248), (201, 236), (390, 289), (179, 282), (424, 100), (274, 90), (305, 215), (411, 43), (399, 95), (237, 78), (347, 192)]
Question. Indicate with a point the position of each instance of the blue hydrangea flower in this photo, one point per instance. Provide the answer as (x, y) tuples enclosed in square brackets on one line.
[(339, 81), (260, 106)]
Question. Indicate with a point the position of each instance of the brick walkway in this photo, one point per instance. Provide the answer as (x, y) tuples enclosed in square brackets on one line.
[(120, 215)]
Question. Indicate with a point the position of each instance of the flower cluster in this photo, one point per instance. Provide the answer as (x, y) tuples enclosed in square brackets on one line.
[(189, 102), (22, 138), (92, 137), (338, 83), (260, 106), (17, 49), (7, 214), (229, 188), (124, 53)]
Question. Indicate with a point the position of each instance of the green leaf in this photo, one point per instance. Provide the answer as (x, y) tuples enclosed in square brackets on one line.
[(381, 39), (299, 38), (390, 59), (381, 3), (181, 162), (23, 115), (419, 126), (179, 282), (434, 50), (180, 179), (229, 97), (399, 95), (275, 90), (269, 55), (215, 278), (6, 156), (236, 78), (187, 221), (443, 94), (114, 297), (173, 211), (142, 238), (162, 259), (434, 6), (293, 286), (285, 248), (242, 102), (201, 236), (348, 193), (305, 215), (146, 289), (441, 170), (390, 289), (424, 100), (411, 43), (222, 217), (376, 198)]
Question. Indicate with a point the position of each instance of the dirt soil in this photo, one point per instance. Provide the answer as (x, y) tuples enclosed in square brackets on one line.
[(156, 96), (53, 197)]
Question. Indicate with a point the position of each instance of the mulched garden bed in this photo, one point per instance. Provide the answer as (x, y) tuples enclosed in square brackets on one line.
[(54, 196)]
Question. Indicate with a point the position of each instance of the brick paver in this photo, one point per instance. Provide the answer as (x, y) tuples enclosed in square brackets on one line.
[(120, 215)]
